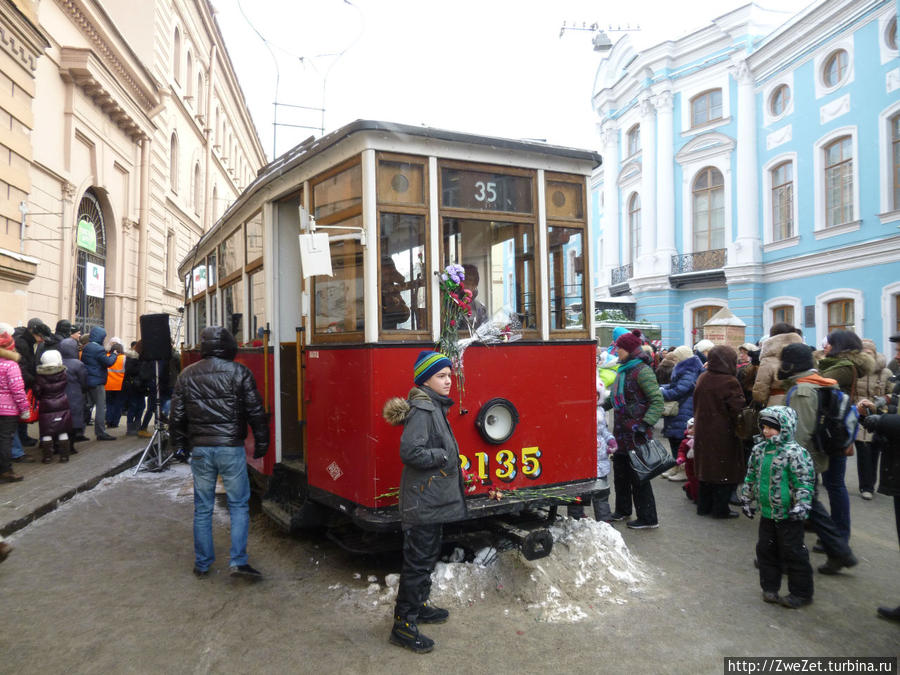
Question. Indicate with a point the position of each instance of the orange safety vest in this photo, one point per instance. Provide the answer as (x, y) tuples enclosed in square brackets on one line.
[(116, 374)]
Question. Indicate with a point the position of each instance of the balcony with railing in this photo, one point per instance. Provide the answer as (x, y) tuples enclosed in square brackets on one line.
[(699, 267), (619, 276)]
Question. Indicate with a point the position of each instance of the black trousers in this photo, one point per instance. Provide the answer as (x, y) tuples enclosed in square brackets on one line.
[(8, 430), (712, 499), (421, 549), (780, 546), (834, 543), (630, 488), (867, 454)]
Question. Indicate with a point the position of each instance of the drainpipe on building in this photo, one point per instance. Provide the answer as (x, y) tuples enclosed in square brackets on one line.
[(208, 206), (144, 223)]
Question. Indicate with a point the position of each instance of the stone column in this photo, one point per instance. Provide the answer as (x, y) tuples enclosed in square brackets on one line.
[(746, 248), (611, 260), (665, 183), (647, 250)]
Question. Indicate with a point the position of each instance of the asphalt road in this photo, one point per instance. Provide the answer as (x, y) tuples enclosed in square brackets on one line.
[(104, 585)]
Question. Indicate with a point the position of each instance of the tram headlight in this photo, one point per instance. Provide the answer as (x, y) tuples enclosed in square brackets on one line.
[(497, 420)]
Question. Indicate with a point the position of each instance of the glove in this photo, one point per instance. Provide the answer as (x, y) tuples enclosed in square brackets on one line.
[(25, 416), (612, 445), (681, 459), (748, 510), (798, 512), (870, 422), (639, 428), (260, 451)]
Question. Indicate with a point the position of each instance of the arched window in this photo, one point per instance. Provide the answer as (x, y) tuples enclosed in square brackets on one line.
[(700, 315), (706, 107), (634, 140), (198, 189), (839, 181), (783, 201), (214, 205), (779, 100), (189, 75), (634, 227), (90, 264), (709, 210), (890, 34), (840, 315), (218, 131), (835, 68), (200, 93), (173, 163), (176, 56)]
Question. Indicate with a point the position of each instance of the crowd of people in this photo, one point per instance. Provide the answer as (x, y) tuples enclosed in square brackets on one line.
[(744, 429), (64, 381)]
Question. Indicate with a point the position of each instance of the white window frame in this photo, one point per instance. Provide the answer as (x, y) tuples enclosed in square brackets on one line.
[(769, 241), (821, 57), (628, 196), (889, 212), (888, 315), (718, 80), (819, 228), (689, 174), (687, 315), (785, 79), (887, 54), (822, 301), (781, 300)]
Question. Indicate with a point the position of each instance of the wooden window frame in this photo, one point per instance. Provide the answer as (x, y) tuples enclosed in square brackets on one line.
[(844, 161), (786, 310), (775, 190), (633, 139), (709, 189), (404, 159), (634, 233), (695, 329), (845, 302), (256, 262), (511, 216), (786, 100), (573, 223), (707, 94), (841, 69)]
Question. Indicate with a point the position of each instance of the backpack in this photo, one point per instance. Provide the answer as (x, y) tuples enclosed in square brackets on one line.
[(837, 421)]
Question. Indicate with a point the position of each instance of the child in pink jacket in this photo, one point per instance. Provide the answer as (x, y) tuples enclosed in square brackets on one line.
[(13, 404)]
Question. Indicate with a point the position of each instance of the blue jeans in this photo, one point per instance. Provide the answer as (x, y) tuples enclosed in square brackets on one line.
[(838, 498), (208, 462), (17, 449)]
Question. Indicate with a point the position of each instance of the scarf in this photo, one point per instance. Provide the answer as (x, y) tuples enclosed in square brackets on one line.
[(619, 396)]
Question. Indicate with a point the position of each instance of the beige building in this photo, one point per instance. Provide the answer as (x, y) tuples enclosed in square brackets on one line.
[(130, 137)]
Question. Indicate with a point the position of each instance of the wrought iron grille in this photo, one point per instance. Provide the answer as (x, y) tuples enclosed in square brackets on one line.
[(622, 274), (89, 310), (699, 262)]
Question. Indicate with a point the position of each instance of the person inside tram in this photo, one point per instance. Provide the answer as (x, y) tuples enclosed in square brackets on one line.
[(471, 282), (394, 309)]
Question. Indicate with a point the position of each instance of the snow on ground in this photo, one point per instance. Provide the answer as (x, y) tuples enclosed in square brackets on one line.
[(588, 568)]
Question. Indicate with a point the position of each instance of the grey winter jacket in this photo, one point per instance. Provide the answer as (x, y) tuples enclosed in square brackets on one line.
[(431, 489)]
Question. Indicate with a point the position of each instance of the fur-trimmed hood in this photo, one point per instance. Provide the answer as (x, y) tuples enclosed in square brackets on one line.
[(9, 354), (863, 362), (50, 370), (772, 346), (397, 409)]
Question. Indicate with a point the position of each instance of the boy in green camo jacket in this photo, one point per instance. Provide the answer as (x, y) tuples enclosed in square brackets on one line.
[(780, 478)]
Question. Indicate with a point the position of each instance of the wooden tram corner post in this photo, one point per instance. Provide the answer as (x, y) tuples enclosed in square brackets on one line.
[(266, 368)]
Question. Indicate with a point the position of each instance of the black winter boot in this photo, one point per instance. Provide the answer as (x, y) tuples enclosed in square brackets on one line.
[(405, 634), (46, 451), (64, 447), (431, 614)]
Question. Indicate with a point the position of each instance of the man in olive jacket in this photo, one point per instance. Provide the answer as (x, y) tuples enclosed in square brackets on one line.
[(431, 493), (214, 401)]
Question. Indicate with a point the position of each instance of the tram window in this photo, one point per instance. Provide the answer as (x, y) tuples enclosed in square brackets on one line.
[(564, 200), (234, 310), (211, 269), (254, 238), (566, 245), (401, 182), (485, 191), (230, 254), (403, 273), (338, 193), (503, 252), (338, 299), (213, 309), (257, 309), (201, 317)]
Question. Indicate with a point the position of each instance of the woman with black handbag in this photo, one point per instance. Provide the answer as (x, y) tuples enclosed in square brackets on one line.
[(638, 403), (718, 452)]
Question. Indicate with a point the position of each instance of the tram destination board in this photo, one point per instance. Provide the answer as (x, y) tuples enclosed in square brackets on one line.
[(486, 191)]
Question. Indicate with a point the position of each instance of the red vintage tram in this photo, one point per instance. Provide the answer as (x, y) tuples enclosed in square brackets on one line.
[(396, 204)]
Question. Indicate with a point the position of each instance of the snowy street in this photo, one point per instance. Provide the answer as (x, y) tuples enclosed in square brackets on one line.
[(104, 585)]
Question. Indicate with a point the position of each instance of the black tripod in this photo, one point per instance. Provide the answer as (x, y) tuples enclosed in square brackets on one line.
[(158, 446)]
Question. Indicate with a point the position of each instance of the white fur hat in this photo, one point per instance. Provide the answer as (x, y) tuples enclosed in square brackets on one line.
[(51, 357), (704, 346)]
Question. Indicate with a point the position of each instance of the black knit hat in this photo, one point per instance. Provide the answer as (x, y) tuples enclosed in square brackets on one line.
[(795, 358)]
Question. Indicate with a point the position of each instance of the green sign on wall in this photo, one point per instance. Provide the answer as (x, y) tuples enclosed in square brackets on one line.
[(86, 236)]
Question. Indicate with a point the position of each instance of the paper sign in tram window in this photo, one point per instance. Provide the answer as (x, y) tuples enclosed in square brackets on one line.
[(315, 255)]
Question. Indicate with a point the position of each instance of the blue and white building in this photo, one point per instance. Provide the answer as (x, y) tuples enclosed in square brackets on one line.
[(755, 164)]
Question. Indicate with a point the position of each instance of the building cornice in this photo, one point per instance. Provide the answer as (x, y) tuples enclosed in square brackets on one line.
[(21, 38), (113, 52), (855, 256)]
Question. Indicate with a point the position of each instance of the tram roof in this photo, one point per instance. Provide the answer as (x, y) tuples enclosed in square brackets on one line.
[(311, 147)]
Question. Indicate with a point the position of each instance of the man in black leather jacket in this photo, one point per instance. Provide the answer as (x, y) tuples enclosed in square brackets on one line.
[(213, 402)]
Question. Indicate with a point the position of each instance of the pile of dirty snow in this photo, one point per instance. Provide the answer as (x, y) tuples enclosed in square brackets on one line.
[(589, 567)]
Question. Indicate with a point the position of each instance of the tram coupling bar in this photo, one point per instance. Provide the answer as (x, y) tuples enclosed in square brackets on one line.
[(534, 544)]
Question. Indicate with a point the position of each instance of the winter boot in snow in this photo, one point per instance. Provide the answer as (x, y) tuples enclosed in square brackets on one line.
[(431, 614), (46, 451), (64, 447), (406, 634)]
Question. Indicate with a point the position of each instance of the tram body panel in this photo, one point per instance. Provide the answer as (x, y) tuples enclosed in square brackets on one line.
[(353, 453)]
